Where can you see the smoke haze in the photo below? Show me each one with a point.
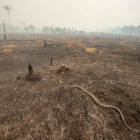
(78, 14)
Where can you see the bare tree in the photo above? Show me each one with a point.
(7, 8)
(131, 29)
(4, 31)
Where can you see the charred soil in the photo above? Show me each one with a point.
(45, 109)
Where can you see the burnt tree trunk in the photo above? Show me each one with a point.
(4, 31)
(51, 61)
(30, 68)
(4, 37)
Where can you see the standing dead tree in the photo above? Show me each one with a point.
(8, 9)
(131, 29)
(4, 31)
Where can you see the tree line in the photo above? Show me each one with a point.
(125, 30)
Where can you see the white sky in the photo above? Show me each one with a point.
(73, 13)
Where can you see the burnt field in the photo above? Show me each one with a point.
(44, 109)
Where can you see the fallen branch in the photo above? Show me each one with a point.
(45, 43)
(102, 105)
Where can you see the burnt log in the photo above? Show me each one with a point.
(45, 43)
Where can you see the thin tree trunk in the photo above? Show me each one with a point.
(51, 61)
(9, 23)
(131, 30)
(4, 31)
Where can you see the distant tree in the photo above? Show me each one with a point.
(125, 29)
(26, 28)
(57, 29)
(51, 26)
(64, 30)
(69, 29)
(7, 8)
(44, 29)
(75, 31)
(31, 27)
(22, 23)
(138, 29)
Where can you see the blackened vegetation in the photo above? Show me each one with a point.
(48, 110)
(75, 130)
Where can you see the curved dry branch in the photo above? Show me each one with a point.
(102, 105)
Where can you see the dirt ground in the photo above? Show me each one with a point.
(47, 110)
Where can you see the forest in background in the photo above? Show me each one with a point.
(125, 30)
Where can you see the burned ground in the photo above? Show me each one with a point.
(46, 109)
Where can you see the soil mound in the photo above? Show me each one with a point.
(35, 77)
(63, 69)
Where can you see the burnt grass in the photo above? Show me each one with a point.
(48, 110)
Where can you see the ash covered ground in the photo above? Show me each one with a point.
(47, 109)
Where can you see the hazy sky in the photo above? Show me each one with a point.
(73, 13)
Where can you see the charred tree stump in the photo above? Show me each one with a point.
(33, 77)
(51, 61)
(30, 68)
